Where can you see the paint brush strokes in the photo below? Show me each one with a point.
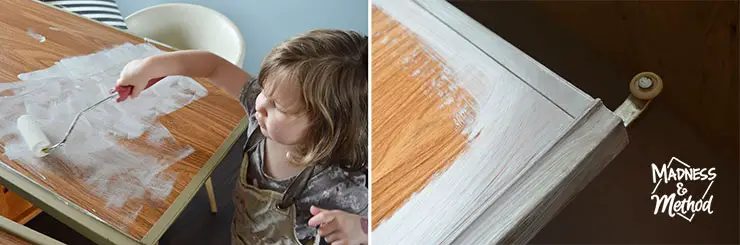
(511, 124)
(34, 35)
(101, 151)
(416, 105)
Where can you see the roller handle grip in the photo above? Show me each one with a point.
(125, 91)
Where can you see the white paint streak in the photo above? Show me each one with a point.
(157, 42)
(130, 218)
(451, 99)
(53, 28)
(513, 124)
(39, 37)
(118, 174)
(384, 40)
(157, 134)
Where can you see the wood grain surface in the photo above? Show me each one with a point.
(204, 124)
(530, 142)
(7, 238)
(15, 207)
(413, 138)
(425, 74)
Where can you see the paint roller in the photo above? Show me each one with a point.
(37, 141)
(33, 135)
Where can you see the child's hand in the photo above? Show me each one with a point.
(339, 227)
(135, 74)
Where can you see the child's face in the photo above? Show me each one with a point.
(280, 114)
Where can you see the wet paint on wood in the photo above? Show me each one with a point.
(473, 141)
(204, 124)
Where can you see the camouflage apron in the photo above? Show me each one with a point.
(264, 216)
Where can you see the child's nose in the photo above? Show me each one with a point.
(260, 106)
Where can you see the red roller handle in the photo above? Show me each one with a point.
(125, 91)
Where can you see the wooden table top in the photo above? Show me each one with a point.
(206, 125)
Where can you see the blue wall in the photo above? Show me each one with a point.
(266, 23)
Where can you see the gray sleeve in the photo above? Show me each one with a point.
(360, 181)
(351, 196)
(363, 211)
(248, 95)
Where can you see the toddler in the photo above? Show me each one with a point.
(304, 166)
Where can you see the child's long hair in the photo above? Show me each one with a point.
(331, 67)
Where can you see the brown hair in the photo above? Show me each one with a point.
(331, 68)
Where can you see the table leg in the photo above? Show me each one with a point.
(211, 196)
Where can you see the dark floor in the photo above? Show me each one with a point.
(196, 224)
(693, 46)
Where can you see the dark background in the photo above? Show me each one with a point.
(599, 46)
